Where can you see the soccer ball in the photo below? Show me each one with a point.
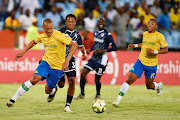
(99, 106)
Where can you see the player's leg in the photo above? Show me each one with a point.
(84, 73)
(61, 81)
(98, 86)
(40, 73)
(51, 92)
(100, 70)
(71, 74)
(154, 86)
(135, 72)
(149, 83)
(70, 93)
(87, 68)
(23, 89)
(150, 73)
(52, 79)
(124, 88)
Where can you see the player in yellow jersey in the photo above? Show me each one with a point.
(53, 62)
(147, 61)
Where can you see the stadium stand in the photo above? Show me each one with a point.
(65, 7)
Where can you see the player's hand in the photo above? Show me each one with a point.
(99, 51)
(150, 51)
(65, 66)
(88, 51)
(19, 55)
(84, 56)
(131, 46)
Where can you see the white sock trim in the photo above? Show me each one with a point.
(156, 86)
(124, 87)
(28, 84)
(21, 90)
(53, 91)
(123, 90)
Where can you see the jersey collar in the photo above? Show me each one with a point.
(100, 31)
(69, 30)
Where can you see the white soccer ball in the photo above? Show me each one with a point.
(99, 106)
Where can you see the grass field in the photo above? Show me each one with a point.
(137, 104)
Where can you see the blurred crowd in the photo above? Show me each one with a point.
(120, 15)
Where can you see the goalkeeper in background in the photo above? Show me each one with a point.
(147, 61)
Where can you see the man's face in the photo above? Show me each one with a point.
(151, 26)
(101, 23)
(27, 12)
(70, 23)
(48, 28)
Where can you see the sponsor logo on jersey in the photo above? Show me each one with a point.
(98, 40)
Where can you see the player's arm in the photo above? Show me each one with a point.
(30, 45)
(161, 51)
(111, 43)
(134, 46)
(71, 53)
(81, 47)
(83, 50)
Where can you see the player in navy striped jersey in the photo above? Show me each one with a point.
(99, 59)
(71, 72)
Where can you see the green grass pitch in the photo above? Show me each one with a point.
(137, 104)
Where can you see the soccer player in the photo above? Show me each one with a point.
(71, 72)
(53, 62)
(147, 61)
(99, 59)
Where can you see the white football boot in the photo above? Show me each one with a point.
(51, 97)
(160, 88)
(67, 109)
(10, 103)
(116, 103)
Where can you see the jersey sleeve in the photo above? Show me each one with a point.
(163, 41)
(64, 38)
(111, 42)
(79, 41)
(109, 37)
(38, 39)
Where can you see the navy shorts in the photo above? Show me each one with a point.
(93, 64)
(72, 68)
(52, 76)
(139, 68)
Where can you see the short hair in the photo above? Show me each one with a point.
(154, 20)
(102, 18)
(47, 21)
(71, 15)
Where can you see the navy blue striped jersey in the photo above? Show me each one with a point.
(76, 38)
(102, 40)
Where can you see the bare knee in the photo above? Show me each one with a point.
(47, 90)
(35, 79)
(83, 75)
(61, 84)
(84, 72)
(71, 81)
(131, 79)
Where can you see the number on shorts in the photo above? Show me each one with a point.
(152, 75)
(100, 71)
(73, 65)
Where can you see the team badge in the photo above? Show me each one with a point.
(102, 34)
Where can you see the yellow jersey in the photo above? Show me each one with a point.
(152, 41)
(54, 48)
